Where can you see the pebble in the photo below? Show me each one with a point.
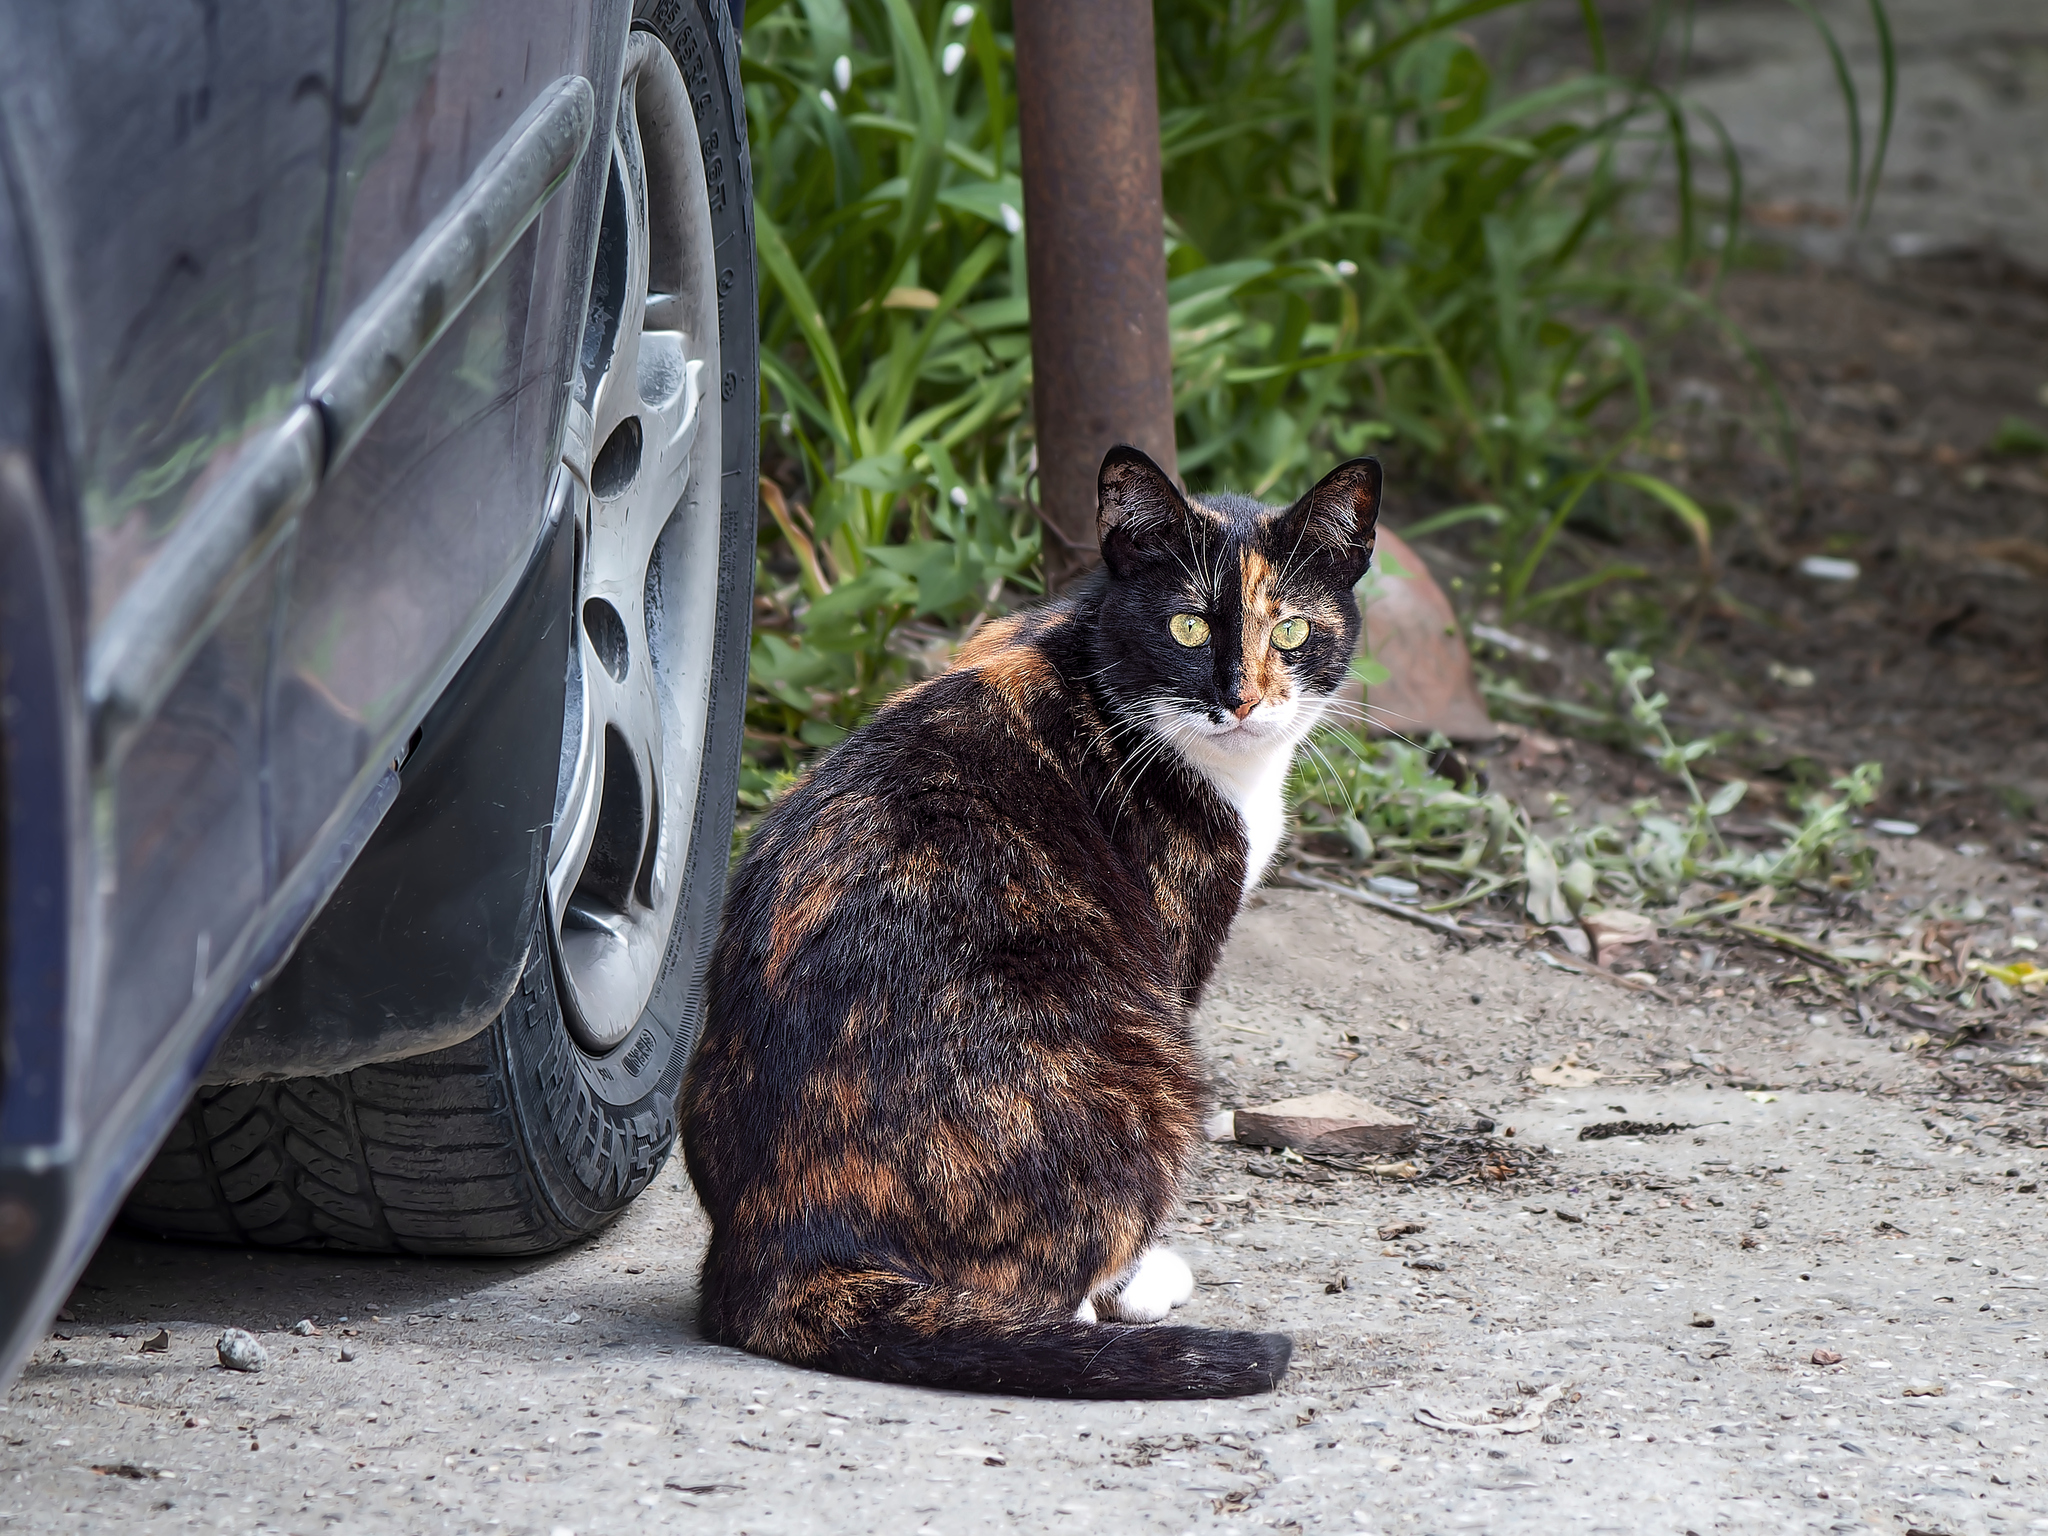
(157, 1343)
(304, 1328)
(1571, 1216)
(1829, 568)
(347, 1354)
(239, 1351)
(1703, 1320)
(1826, 1357)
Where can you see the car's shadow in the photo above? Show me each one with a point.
(632, 1286)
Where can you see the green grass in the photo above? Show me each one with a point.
(1372, 243)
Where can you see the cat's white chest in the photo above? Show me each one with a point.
(1254, 786)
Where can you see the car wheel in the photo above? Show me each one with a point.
(545, 1126)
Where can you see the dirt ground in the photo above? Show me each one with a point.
(1898, 348)
(1931, 658)
(1829, 1193)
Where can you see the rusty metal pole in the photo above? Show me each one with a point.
(1088, 115)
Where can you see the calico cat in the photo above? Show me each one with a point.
(947, 1089)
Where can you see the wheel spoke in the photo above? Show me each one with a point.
(620, 835)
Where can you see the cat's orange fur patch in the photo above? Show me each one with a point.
(809, 891)
(1265, 675)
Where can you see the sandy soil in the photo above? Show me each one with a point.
(1851, 1207)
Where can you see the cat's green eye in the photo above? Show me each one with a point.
(1190, 629)
(1290, 634)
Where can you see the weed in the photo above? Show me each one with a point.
(1391, 814)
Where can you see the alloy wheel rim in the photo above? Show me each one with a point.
(648, 413)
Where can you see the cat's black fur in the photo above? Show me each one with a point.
(947, 1089)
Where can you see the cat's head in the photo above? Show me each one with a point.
(1230, 623)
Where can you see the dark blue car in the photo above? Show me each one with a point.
(378, 412)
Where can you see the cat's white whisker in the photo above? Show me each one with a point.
(1328, 770)
(1149, 748)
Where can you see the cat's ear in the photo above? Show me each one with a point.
(1139, 511)
(1335, 521)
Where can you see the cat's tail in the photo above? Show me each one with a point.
(929, 1336)
(1072, 1359)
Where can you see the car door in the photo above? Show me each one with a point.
(413, 543)
(171, 168)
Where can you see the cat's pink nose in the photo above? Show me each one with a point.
(1246, 707)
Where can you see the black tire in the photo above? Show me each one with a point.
(518, 1140)
(494, 1146)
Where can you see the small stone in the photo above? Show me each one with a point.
(1327, 1124)
(1749, 1241)
(1829, 568)
(1702, 1320)
(1826, 1357)
(1562, 1214)
(157, 1343)
(239, 1351)
(1924, 1389)
(304, 1328)
(1396, 1229)
(347, 1354)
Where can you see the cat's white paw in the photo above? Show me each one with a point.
(1159, 1282)
(1086, 1314)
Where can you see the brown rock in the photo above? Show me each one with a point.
(1826, 1357)
(1412, 632)
(1329, 1124)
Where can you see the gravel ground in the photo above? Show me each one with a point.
(1675, 1288)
